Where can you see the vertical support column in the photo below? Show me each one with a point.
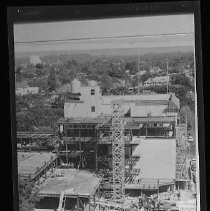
(96, 149)
(77, 203)
(80, 147)
(89, 203)
(158, 192)
(30, 144)
(94, 201)
(65, 139)
(56, 163)
(130, 157)
(174, 188)
(146, 129)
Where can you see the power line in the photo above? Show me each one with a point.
(100, 38)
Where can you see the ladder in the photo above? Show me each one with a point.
(62, 201)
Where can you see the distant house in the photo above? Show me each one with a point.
(155, 70)
(64, 89)
(161, 80)
(189, 72)
(22, 88)
(142, 72)
(26, 91)
(34, 60)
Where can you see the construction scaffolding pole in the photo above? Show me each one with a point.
(118, 153)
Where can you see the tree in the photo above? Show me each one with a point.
(28, 196)
(145, 77)
(132, 67)
(39, 66)
(51, 81)
(187, 114)
(25, 121)
(180, 79)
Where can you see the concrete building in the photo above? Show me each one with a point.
(88, 103)
(156, 81)
(91, 103)
(68, 189)
(150, 130)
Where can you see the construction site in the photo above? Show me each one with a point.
(117, 152)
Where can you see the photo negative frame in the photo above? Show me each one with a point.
(104, 99)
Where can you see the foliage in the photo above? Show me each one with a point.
(31, 111)
(51, 81)
(186, 113)
(25, 121)
(132, 67)
(180, 79)
(40, 82)
(27, 197)
(179, 90)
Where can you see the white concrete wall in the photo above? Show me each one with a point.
(83, 109)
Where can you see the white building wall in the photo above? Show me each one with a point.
(87, 101)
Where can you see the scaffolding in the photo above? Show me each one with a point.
(118, 153)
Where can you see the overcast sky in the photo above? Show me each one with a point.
(153, 31)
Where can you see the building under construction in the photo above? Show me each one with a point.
(134, 144)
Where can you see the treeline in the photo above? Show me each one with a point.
(106, 71)
(32, 112)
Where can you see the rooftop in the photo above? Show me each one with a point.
(28, 162)
(142, 97)
(159, 155)
(74, 182)
(158, 79)
(85, 120)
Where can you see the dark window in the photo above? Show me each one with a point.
(93, 109)
(92, 91)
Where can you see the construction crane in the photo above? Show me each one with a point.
(118, 152)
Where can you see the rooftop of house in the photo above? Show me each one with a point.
(143, 97)
(158, 79)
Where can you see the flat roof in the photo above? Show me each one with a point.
(149, 97)
(148, 184)
(81, 120)
(35, 135)
(74, 182)
(28, 162)
(132, 125)
(157, 158)
(160, 119)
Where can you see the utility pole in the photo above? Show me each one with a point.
(167, 72)
(138, 70)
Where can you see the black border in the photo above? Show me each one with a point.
(98, 11)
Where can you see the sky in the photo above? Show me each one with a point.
(141, 32)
